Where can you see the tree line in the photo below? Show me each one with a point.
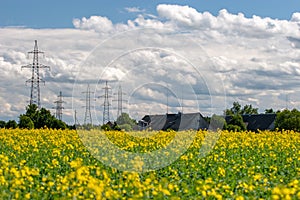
(42, 118)
(285, 119)
(123, 122)
(36, 118)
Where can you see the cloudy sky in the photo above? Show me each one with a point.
(173, 56)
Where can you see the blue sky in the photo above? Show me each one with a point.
(60, 13)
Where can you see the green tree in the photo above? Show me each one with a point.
(58, 124)
(236, 123)
(11, 124)
(106, 127)
(248, 109)
(2, 124)
(269, 111)
(124, 119)
(43, 118)
(32, 112)
(288, 120)
(25, 122)
(238, 109)
(125, 127)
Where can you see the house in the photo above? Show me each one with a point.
(257, 121)
(177, 122)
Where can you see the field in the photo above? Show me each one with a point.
(55, 164)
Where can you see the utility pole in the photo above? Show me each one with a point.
(88, 114)
(106, 103)
(35, 96)
(120, 101)
(59, 107)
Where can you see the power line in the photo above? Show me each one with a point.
(35, 96)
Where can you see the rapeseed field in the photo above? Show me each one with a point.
(55, 164)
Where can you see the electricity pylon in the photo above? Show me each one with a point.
(59, 107)
(88, 114)
(35, 96)
(106, 103)
(120, 101)
(76, 123)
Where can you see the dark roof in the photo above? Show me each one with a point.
(177, 122)
(258, 121)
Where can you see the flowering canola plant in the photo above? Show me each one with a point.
(55, 164)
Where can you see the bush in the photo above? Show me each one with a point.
(58, 124)
(106, 127)
(11, 124)
(232, 127)
(126, 127)
(26, 122)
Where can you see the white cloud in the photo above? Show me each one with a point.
(226, 23)
(134, 10)
(295, 17)
(183, 15)
(195, 55)
(97, 23)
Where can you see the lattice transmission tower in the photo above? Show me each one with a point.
(120, 101)
(106, 103)
(76, 123)
(59, 106)
(35, 96)
(88, 114)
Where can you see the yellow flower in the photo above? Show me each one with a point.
(221, 171)
(257, 177)
(27, 196)
(55, 162)
(171, 186)
(166, 192)
(154, 193)
(76, 163)
(239, 198)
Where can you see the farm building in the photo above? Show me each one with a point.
(258, 121)
(177, 122)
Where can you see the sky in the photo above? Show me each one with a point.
(168, 56)
(59, 14)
